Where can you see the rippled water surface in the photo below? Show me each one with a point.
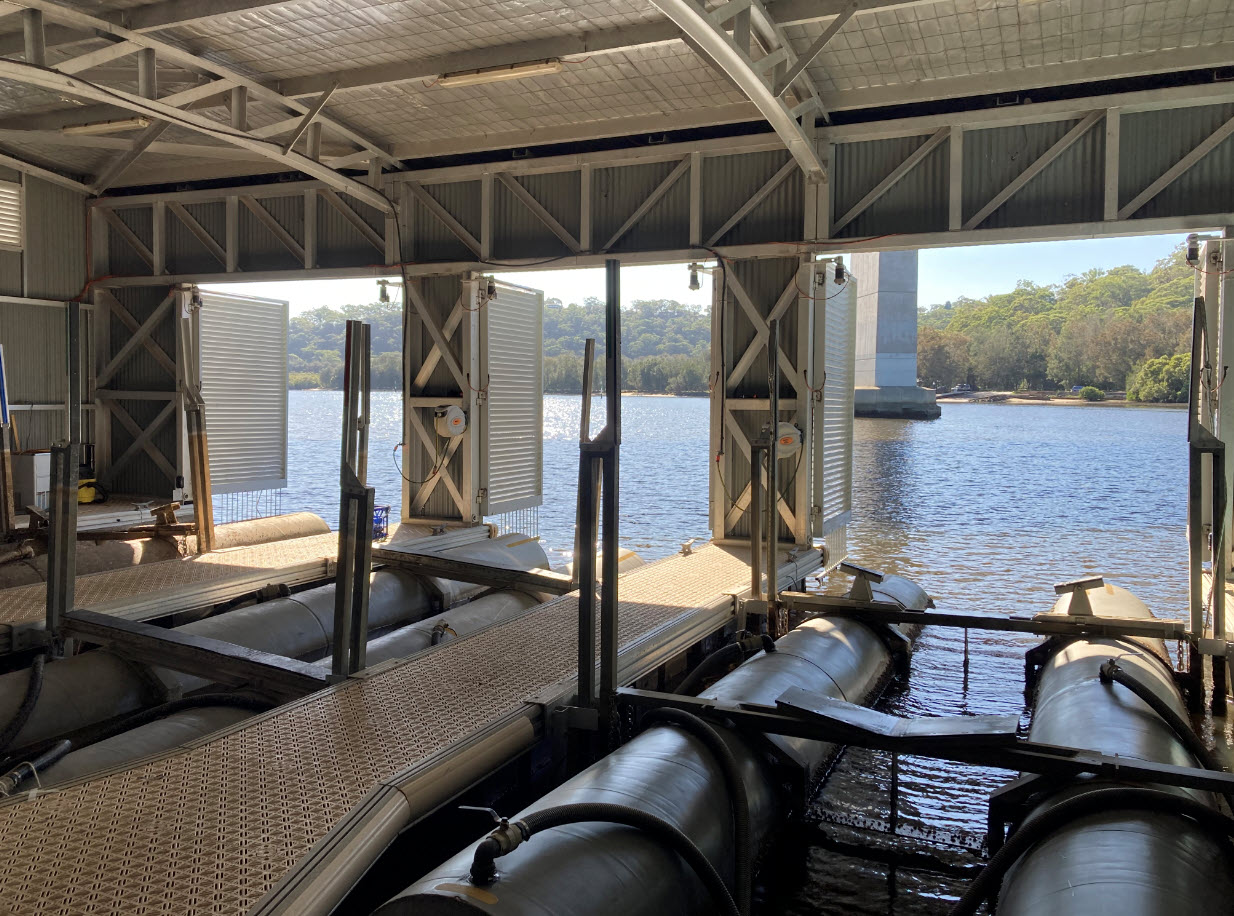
(986, 508)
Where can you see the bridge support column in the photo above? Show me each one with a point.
(886, 369)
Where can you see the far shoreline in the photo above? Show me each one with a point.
(1060, 402)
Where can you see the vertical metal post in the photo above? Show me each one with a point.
(756, 521)
(776, 625)
(609, 511)
(195, 420)
(355, 548)
(1218, 581)
(586, 519)
(62, 538)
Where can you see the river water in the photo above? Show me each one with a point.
(986, 508)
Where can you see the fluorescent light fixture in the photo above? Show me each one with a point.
(498, 74)
(106, 127)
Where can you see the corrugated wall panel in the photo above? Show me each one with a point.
(55, 241)
(141, 476)
(729, 181)
(339, 243)
(618, 191)
(185, 253)
(122, 258)
(431, 240)
(243, 345)
(917, 203)
(142, 372)
(512, 439)
(260, 249)
(1068, 190)
(34, 351)
(1152, 141)
(517, 232)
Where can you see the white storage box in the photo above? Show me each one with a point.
(32, 480)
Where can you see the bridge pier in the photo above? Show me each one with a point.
(886, 361)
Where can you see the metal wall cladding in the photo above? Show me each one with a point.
(1152, 141)
(833, 469)
(519, 233)
(339, 243)
(141, 371)
(34, 353)
(260, 249)
(1068, 190)
(617, 192)
(729, 181)
(431, 239)
(122, 258)
(185, 252)
(916, 203)
(140, 475)
(55, 241)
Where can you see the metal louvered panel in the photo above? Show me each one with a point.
(512, 434)
(243, 344)
(833, 463)
(11, 234)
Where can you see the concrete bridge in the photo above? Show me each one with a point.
(886, 358)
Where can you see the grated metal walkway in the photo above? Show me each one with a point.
(28, 603)
(213, 828)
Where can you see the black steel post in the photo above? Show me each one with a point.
(585, 535)
(609, 510)
(1220, 683)
(351, 594)
(777, 622)
(66, 458)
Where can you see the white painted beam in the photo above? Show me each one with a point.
(58, 82)
(29, 168)
(693, 20)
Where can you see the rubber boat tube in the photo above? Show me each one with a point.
(104, 555)
(86, 689)
(1127, 861)
(607, 870)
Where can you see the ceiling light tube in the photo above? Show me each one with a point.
(106, 127)
(498, 74)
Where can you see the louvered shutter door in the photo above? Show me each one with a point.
(833, 462)
(244, 384)
(512, 434)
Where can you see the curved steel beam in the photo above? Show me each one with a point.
(59, 82)
(694, 20)
(257, 90)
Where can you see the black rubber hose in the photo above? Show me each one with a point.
(722, 658)
(146, 716)
(743, 849)
(33, 688)
(1112, 672)
(483, 870)
(11, 781)
(1099, 801)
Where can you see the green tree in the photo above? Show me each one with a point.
(1164, 380)
(942, 357)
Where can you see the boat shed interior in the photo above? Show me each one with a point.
(268, 724)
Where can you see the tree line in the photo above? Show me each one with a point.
(1123, 329)
(666, 345)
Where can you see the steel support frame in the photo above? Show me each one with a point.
(449, 338)
(355, 538)
(950, 131)
(65, 462)
(741, 395)
(599, 518)
(188, 340)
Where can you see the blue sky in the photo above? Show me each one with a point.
(944, 273)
